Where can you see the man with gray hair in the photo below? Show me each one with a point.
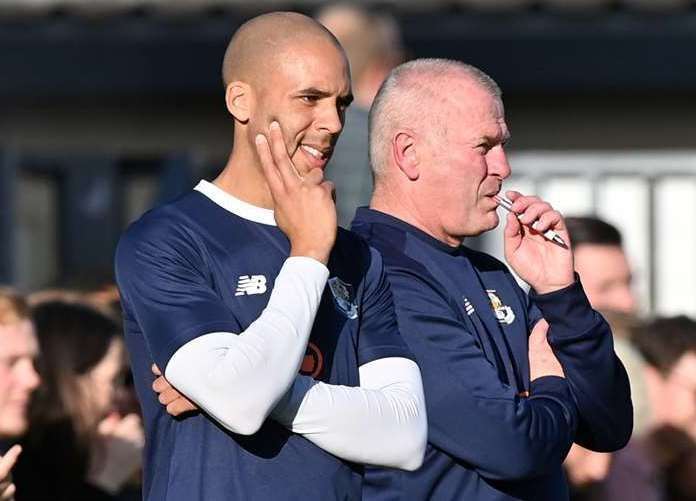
(511, 380)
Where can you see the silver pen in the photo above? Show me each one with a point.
(548, 234)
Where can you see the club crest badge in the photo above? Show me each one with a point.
(503, 313)
(343, 297)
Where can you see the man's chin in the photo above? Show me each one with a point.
(13, 427)
(491, 222)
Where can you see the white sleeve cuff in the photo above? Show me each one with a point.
(381, 423)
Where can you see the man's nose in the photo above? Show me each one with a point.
(624, 300)
(28, 376)
(331, 120)
(498, 162)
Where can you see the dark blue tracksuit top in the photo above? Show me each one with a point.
(493, 435)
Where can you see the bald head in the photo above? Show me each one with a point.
(366, 37)
(258, 43)
(414, 96)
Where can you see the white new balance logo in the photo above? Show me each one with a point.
(254, 284)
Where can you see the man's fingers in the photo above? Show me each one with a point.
(286, 169)
(512, 226)
(268, 166)
(168, 396)
(547, 220)
(160, 384)
(155, 370)
(520, 202)
(533, 211)
(8, 493)
(536, 213)
(314, 176)
(8, 460)
(180, 406)
(540, 329)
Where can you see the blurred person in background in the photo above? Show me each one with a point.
(18, 380)
(98, 290)
(603, 267)
(602, 264)
(373, 45)
(661, 464)
(95, 286)
(73, 412)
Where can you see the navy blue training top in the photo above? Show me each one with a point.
(193, 267)
(491, 434)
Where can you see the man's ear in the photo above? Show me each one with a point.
(238, 100)
(405, 153)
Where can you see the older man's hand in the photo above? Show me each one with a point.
(543, 264)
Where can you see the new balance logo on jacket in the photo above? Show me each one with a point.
(254, 284)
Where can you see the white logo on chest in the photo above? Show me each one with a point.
(503, 313)
(468, 306)
(342, 293)
(254, 284)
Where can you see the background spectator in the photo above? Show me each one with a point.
(18, 379)
(606, 276)
(73, 412)
(661, 464)
(18, 349)
(602, 264)
(373, 45)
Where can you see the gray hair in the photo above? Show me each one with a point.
(406, 96)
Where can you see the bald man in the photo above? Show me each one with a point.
(226, 290)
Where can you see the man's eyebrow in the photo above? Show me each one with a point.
(313, 91)
(496, 138)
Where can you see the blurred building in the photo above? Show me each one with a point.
(108, 107)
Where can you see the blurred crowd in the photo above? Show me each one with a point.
(66, 395)
(659, 354)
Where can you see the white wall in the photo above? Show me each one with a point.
(649, 195)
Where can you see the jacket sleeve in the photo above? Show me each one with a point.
(582, 341)
(472, 415)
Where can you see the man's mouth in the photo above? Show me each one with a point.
(317, 156)
(316, 153)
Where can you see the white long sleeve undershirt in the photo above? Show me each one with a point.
(239, 378)
(381, 423)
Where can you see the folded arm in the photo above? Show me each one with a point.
(582, 341)
(382, 422)
(238, 379)
(472, 415)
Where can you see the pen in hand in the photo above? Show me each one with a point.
(548, 234)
